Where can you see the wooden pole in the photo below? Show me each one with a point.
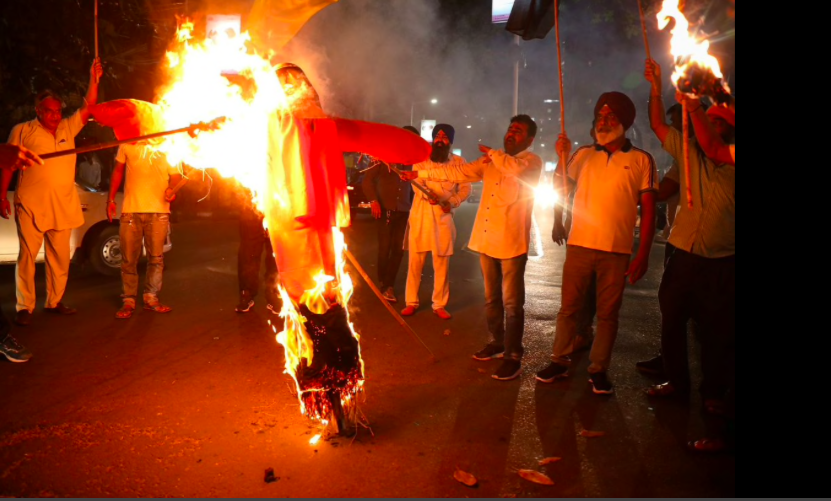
(643, 26)
(563, 161)
(96, 29)
(687, 176)
(386, 303)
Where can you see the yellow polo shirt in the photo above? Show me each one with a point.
(147, 177)
(48, 191)
(609, 187)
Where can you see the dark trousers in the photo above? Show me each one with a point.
(505, 302)
(254, 243)
(391, 229)
(704, 290)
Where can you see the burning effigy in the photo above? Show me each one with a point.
(276, 140)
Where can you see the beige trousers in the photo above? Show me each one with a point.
(441, 282)
(57, 261)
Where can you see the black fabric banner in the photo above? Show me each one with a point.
(531, 19)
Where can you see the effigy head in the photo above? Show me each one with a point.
(301, 94)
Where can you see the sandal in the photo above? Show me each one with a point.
(664, 390)
(157, 307)
(126, 311)
(708, 445)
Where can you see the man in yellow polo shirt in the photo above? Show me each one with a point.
(46, 201)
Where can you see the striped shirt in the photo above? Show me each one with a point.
(609, 188)
(709, 228)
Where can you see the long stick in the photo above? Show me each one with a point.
(415, 184)
(687, 176)
(96, 29)
(112, 144)
(564, 161)
(643, 26)
(389, 307)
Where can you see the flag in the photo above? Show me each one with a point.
(273, 23)
(531, 19)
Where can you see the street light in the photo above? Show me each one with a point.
(412, 108)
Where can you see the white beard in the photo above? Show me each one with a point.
(604, 138)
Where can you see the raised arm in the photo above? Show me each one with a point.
(711, 143)
(657, 111)
(91, 99)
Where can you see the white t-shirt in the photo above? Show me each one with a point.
(147, 177)
(609, 188)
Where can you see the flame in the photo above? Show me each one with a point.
(689, 52)
(315, 439)
(223, 77)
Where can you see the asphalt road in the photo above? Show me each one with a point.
(195, 403)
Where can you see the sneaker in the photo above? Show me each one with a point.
(553, 372)
(23, 317)
(601, 384)
(652, 367)
(510, 369)
(246, 302)
(12, 350)
(489, 352)
(442, 314)
(389, 295)
(409, 311)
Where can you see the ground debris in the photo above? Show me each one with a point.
(465, 478)
(269, 476)
(536, 477)
(592, 434)
(546, 461)
(447, 332)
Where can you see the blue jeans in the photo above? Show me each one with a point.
(505, 302)
(151, 229)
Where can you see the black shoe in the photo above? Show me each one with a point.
(61, 309)
(246, 302)
(601, 384)
(552, 373)
(489, 352)
(23, 317)
(652, 367)
(510, 369)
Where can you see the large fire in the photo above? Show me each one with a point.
(222, 76)
(696, 70)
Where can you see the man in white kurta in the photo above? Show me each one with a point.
(46, 201)
(431, 227)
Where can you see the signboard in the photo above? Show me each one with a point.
(427, 127)
(502, 10)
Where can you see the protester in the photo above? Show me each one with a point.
(699, 280)
(145, 220)
(501, 236)
(431, 228)
(46, 201)
(391, 200)
(610, 177)
(254, 247)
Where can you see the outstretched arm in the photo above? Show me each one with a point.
(657, 112)
(91, 99)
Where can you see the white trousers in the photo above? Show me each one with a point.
(57, 261)
(441, 284)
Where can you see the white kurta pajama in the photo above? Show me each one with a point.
(432, 230)
(47, 208)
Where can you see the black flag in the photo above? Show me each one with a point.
(531, 19)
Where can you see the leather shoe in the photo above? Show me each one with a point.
(23, 317)
(61, 309)
(408, 311)
(442, 314)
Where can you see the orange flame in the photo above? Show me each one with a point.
(685, 47)
(222, 77)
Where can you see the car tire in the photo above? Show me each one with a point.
(105, 252)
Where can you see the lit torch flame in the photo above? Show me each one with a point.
(696, 70)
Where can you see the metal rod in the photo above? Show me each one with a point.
(562, 96)
(386, 303)
(113, 144)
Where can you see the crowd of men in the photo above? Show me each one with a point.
(610, 184)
